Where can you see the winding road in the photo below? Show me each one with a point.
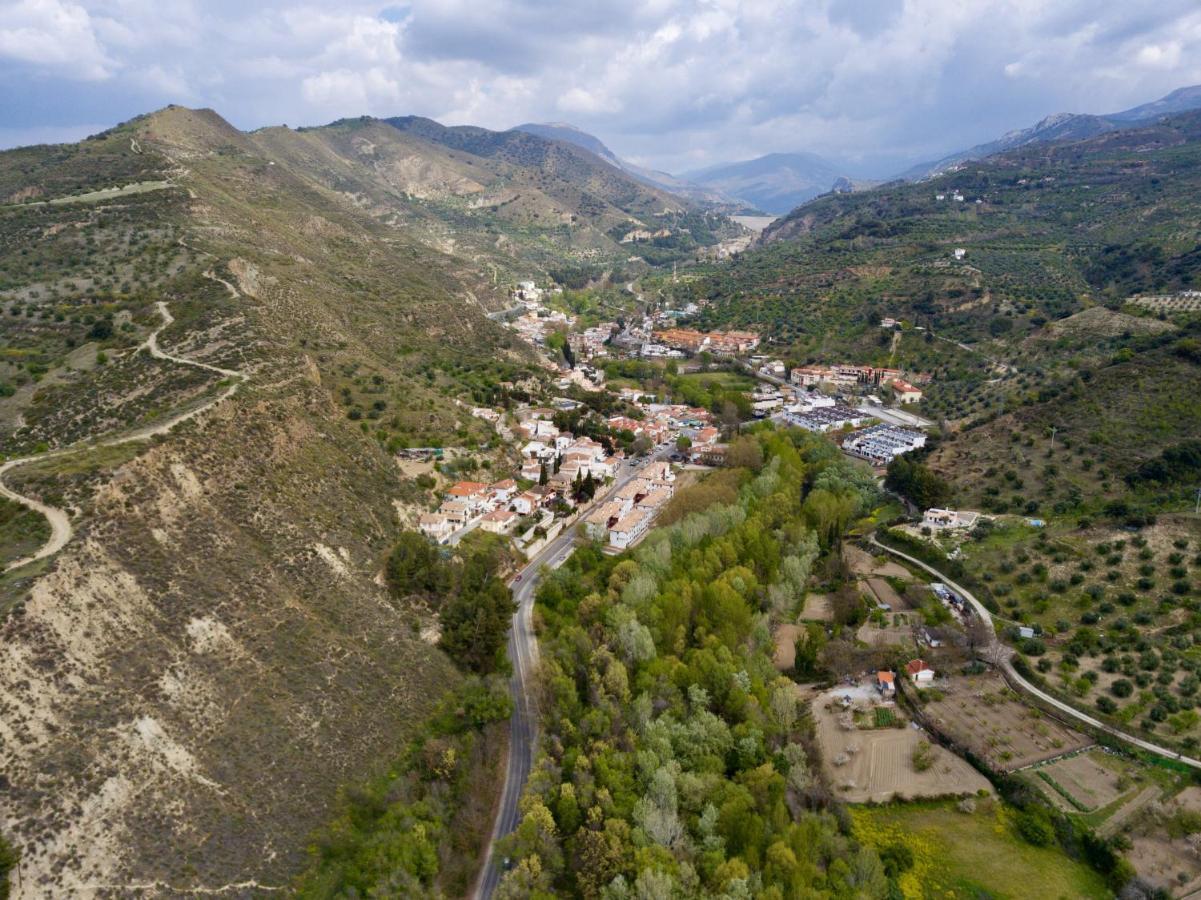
(61, 530)
(1004, 655)
(523, 651)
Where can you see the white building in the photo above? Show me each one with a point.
(949, 518)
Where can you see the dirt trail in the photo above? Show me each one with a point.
(61, 530)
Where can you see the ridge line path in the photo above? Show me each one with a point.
(1004, 654)
(523, 651)
(61, 530)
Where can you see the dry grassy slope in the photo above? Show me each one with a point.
(543, 192)
(186, 685)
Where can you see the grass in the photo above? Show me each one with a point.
(21, 531)
(958, 854)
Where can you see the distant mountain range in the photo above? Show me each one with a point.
(779, 182)
(776, 183)
(681, 187)
(1065, 127)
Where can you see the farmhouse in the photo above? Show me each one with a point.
(919, 671)
(906, 393)
(949, 518)
(886, 683)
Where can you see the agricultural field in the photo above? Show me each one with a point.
(871, 754)
(981, 714)
(1115, 613)
(894, 629)
(1096, 782)
(970, 849)
(1164, 840)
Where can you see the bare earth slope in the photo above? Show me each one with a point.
(188, 682)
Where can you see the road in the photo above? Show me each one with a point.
(1004, 654)
(61, 530)
(523, 652)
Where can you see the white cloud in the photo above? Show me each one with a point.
(677, 83)
(53, 35)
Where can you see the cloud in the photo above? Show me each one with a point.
(53, 36)
(673, 83)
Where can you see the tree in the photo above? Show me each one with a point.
(642, 445)
(745, 453)
(475, 622)
(414, 567)
(916, 482)
(683, 443)
(543, 477)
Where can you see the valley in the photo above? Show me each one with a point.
(390, 508)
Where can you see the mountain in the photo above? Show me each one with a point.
(1065, 127)
(561, 131)
(1180, 100)
(210, 658)
(776, 183)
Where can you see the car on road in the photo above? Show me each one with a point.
(518, 578)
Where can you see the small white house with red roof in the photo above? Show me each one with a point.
(919, 671)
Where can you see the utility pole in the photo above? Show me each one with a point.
(1197, 509)
(1054, 429)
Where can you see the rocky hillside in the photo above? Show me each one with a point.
(186, 685)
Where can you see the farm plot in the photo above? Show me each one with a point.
(980, 713)
(818, 608)
(1164, 848)
(886, 594)
(785, 638)
(897, 630)
(1082, 782)
(862, 563)
(876, 763)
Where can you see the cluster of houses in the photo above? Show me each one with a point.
(852, 375)
(881, 444)
(719, 343)
(918, 671)
(592, 342)
(473, 503)
(624, 519)
(535, 325)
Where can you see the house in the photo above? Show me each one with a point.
(949, 518)
(499, 521)
(457, 512)
(710, 454)
(630, 528)
(435, 526)
(886, 683)
(960, 252)
(538, 450)
(601, 519)
(705, 437)
(466, 490)
(659, 471)
(919, 671)
(905, 392)
(503, 491)
(659, 495)
(526, 503)
(531, 470)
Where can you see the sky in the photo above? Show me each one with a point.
(874, 84)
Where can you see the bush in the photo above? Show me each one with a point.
(1034, 825)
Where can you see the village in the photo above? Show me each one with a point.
(562, 473)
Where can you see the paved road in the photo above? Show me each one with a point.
(1004, 654)
(523, 651)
